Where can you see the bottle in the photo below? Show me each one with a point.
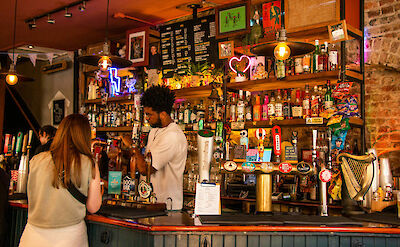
(306, 63)
(287, 105)
(333, 58)
(181, 114)
(257, 109)
(280, 69)
(193, 115)
(279, 106)
(264, 115)
(316, 55)
(306, 103)
(328, 96)
(232, 108)
(187, 113)
(240, 108)
(297, 108)
(201, 112)
(249, 107)
(324, 58)
(298, 65)
(210, 116)
(315, 103)
(271, 107)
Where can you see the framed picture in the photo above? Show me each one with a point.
(338, 31)
(226, 49)
(272, 18)
(232, 19)
(58, 111)
(138, 46)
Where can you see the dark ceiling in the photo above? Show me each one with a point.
(83, 28)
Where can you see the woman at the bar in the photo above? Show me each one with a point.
(55, 215)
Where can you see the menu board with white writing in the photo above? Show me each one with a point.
(189, 41)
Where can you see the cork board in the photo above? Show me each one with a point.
(301, 14)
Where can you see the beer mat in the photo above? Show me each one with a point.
(316, 220)
(378, 217)
(128, 213)
(17, 196)
(240, 219)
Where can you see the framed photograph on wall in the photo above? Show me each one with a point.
(137, 41)
(338, 31)
(226, 49)
(232, 19)
(58, 111)
(272, 20)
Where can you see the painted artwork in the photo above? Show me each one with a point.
(272, 19)
(136, 45)
(232, 19)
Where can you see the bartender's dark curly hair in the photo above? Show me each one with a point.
(159, 98)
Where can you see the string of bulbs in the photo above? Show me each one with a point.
(81, 7)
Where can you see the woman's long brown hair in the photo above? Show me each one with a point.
(71, 140)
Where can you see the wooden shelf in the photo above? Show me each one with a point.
(114, 129)
(296, 122)
(193, 92)
(118, 99)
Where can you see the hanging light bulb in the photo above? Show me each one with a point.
(12, 77)
(282, 51)
(104, 63)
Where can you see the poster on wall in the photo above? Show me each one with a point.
(138, 46)
(58, 111)
(272, 20)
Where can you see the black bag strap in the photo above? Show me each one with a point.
(77, 194)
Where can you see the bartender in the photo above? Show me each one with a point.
(154, 67)
(167, 146)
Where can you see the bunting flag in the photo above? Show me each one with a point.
(33, 58)
(50, 56)
(13, 57)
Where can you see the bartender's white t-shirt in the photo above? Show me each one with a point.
(168, 147)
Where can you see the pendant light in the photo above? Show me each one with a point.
(12, 77)
(105, 60)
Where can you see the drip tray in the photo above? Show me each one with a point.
(311, 220)
(383, 218)
(128, 212)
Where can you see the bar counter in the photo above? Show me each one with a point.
(179, 229)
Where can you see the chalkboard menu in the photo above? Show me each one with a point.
(189, 41)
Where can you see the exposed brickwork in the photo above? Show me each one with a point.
(382, 84)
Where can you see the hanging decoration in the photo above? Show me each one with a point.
(33, 58)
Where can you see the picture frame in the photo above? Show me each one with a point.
(229, 21)
(272, 18)
(338, 31)
(137, 42)
(58, 111)
(226, 49)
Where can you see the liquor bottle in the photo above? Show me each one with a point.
(324, 58)
(287, 105)
(298, 65)
(210, 115)
(306, 103)
(289, 67)
(232, 108)
(271, 107)
(279, 106)
(280, 69)
(187, 113)
(264, 115)
(316, 55)
(306, 63)
(333, 58)
(240, 108)
(297, 108)
(181, 114)
(193, 115)
(249, 107)
(315, 103)
(219, 112)
(257, 109)
(201, 112)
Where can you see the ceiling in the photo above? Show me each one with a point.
(86, 27)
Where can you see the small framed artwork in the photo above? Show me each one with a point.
(272, 20)
(58, 111)
(137, 41)
(226, 49)
(338, 31)
(232, 19)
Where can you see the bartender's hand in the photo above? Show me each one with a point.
(137, 162)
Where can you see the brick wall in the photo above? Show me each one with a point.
(382, 77)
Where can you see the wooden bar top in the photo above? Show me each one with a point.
(180, 221)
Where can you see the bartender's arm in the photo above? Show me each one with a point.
(138, 162)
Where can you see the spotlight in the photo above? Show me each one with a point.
(68, 15)
(49, 20)
(30, 46)
(82, 7)
(32, 25)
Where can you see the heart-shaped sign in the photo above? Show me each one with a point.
(239, 60)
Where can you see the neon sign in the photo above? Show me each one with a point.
(239, 59)
(115, 82)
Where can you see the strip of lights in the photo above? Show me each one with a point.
(81, 7)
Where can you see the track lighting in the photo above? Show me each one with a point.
(82, 7)
(32, 25)
(49, 20)
(30, 46)
(67, 14)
